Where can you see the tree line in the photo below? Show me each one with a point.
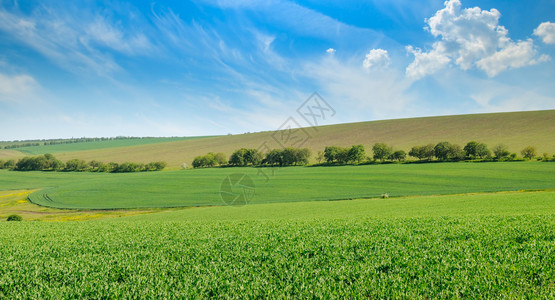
(253, 157)
(48, 162)
(14, 146)
(31, 143)
(356, 154)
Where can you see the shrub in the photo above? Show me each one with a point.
(14, 218)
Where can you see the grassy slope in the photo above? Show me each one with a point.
(95, 145)
(10, 154)
(202, 187)
(471, 246)
(516, 130)
(479, 204)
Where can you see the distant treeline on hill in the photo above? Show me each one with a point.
(356, 154)
(30, 143)
(48, 162)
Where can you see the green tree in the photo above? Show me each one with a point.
(244, 157)
(356, 154)
(482, 151)
(500, 151)
(441, 150)
(220, 158)
(77, 165)
(343, 155)
(471, 148)
(238, 158)
(381, 151)
(529, 152)
(9, 164)
(198, 162)
(399, 155)
(456, 152)
(331, 153)
(97, 166)
(253, 157)
(302, 156)
(274, 157)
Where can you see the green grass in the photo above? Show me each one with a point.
(201, 187)
(95, 145)
(469, 246)
(516, 130)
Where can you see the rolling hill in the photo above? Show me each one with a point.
(514, 129)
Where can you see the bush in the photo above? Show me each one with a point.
(14, 218)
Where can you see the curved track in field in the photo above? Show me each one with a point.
(294, 184)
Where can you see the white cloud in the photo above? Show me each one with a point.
(546, 31)
(16, 88)
(376, 58)
(515, 55)
(426, 63)
(471, 38)
(330, 51)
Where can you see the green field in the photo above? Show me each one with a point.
(96, 145)
(200, 187)
(446, 230)
(466, 246)
(516, 130)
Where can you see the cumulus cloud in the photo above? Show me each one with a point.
(375, 59)
(471, 38)
(546, 31)
(330, 51)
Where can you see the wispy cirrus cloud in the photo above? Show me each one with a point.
(74, 39)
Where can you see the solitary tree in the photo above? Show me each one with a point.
(528, 152)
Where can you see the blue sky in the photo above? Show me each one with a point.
(184, 68)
